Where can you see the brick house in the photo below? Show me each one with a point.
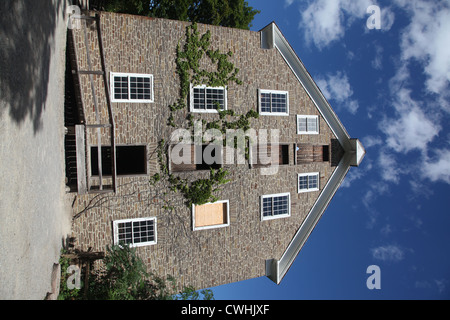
(125, 78)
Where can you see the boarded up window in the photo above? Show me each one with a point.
(210, 215)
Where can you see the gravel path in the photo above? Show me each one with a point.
(34, 209)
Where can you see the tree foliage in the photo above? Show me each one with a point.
(125, 277)
(226, 13)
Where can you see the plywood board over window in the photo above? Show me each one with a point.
(211, 215)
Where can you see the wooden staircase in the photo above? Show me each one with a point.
(85, 182)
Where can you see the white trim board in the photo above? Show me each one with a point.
(272, 38)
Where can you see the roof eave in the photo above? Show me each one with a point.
(271, 37)
(277, 269)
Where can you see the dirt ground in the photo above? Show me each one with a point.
(34, 208)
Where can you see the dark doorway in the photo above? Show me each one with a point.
(130, 160)
(213, 152)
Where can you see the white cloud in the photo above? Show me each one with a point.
(439, 168)
(386, 230)
(376, 189)
(389, 169)
(425, 39)
(337, 87)
(412, 130)
(387, 18)
(325, 21)
(441, 284)
(287, 3)
(416, 123)
(353, 175)
(438, 284)
(377, 62)
(389, 253)
(322, 22)
(371, 141)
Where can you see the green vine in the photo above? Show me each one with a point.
(188, 59)
(201, 191)
(197, 192)
(188, 65)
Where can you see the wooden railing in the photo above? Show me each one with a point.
(86, 185)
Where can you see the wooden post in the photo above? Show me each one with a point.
(108, 102)
(80, 145)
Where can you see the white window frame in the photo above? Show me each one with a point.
(191, 98)
(308, 118)
(265, 113)
(141, 244)
(286, 215)
(139, 75)
(194, 228)
(308, 189)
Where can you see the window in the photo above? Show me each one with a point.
(275, 206)
(264, 155)
(307, 153)
(273, 102)
(191, 157)
(135, 232)
(131, 87)
(307, 124)
(130, 160)
(211, 215)
(308, 182)
(207, 99)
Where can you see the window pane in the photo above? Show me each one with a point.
(273, 102)
(125, 232)
(267, 207)
(136, 232)
(280, 205)
(274, 206)
(302, 124)
(205, 98)
(199, 98)
(312, 124)
(303, 182)
(120, 87)
(140, 88)
(143, 231)
(313, 182)
(278, 102)
(215, 99)
(265, 102)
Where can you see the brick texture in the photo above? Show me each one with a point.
(210, 257)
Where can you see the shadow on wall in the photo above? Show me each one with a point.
(27, 30)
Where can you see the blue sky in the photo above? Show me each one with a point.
(390, 88)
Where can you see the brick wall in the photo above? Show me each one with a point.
(208, 257)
